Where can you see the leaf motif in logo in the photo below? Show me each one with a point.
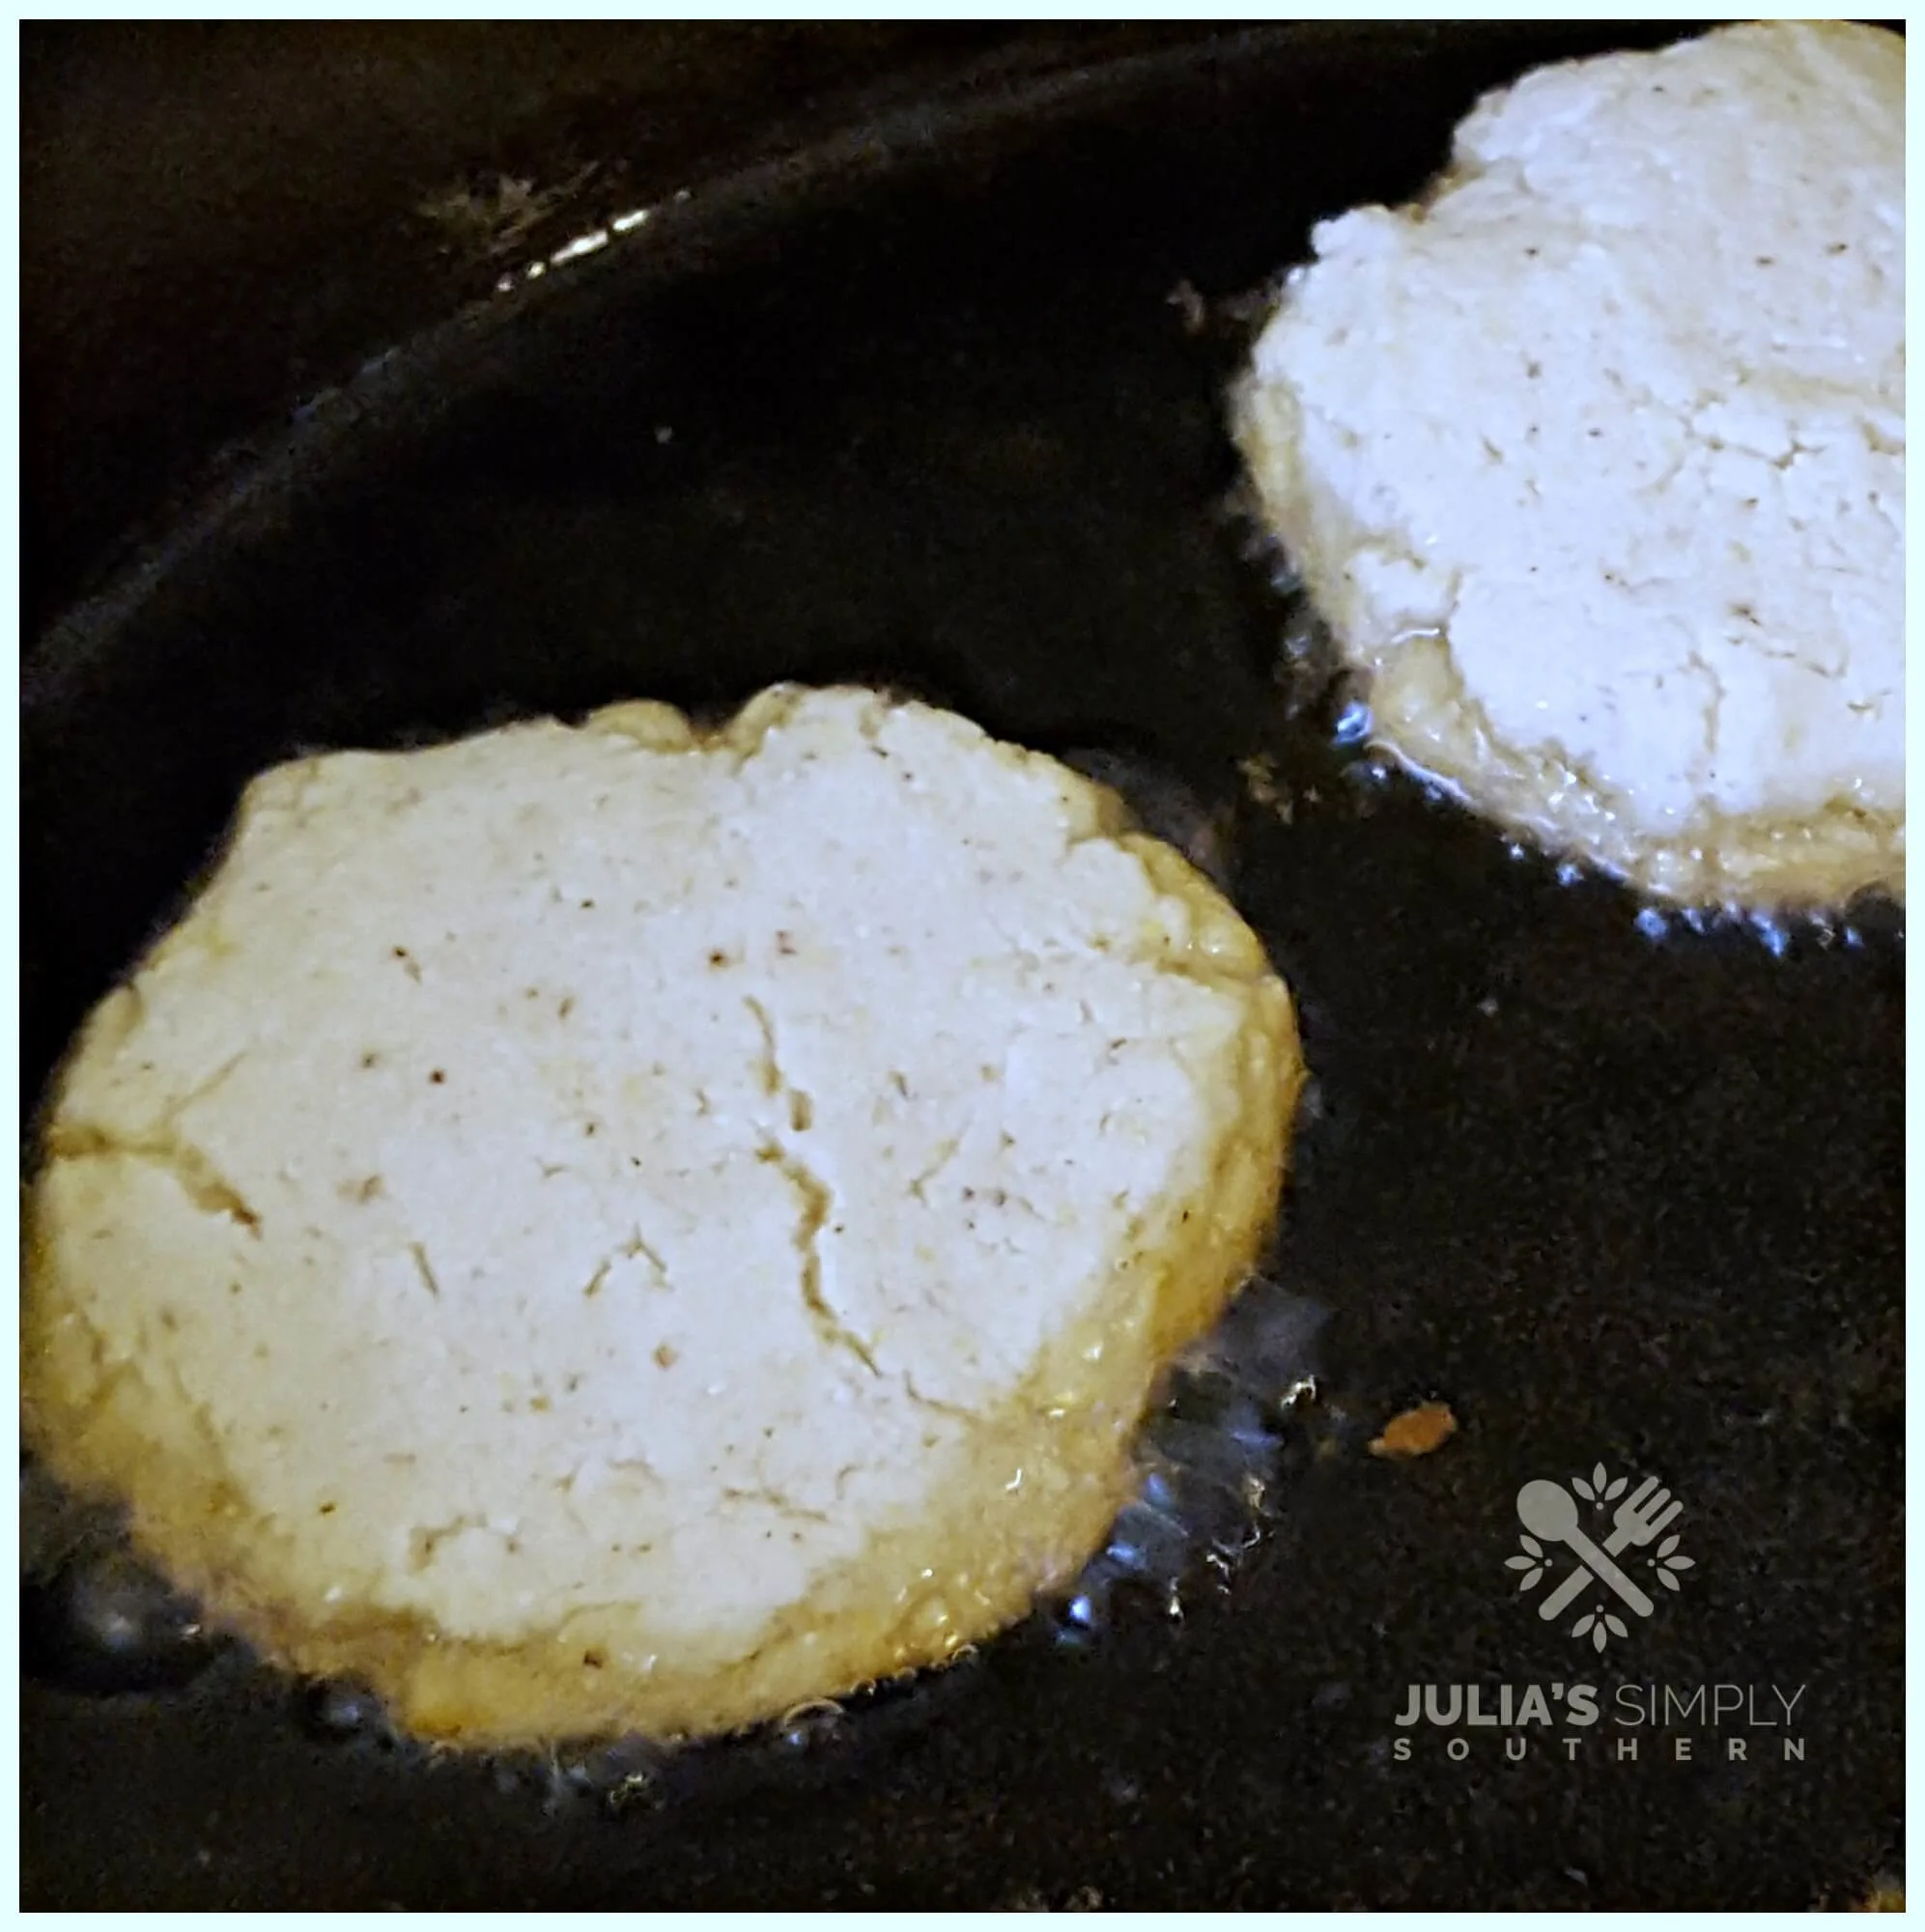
(1532, 1563)
(1617, 1489)
(1597, 1477)
(1584, 1489)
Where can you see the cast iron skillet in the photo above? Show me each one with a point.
(917, 407)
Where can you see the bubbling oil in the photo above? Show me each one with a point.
(1218, 1460)
(93, 1617)
(1318, 690)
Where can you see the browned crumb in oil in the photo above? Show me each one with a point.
(1417, 1432)
(1261, 786)
(1259, 778)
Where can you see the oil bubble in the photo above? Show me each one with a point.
(107, 1625)
(1146, 1542)
(1307, 641)
(810, 1726)
(1306, 668)
(1353, 722)
(1877, 919)
(630, 1773)
(95, 1618)
(1076, 1623)
(337, 1710)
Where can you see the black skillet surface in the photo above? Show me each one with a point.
(919, 410)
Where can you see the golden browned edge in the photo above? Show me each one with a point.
(1422, 714)
(1070, 1428)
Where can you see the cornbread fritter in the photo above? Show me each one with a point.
(1594, 462)
(615, 1229)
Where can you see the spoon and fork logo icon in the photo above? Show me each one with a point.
(1550, 1516)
